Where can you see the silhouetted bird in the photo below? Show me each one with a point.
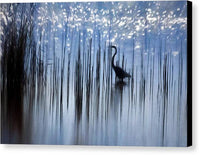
(120, 73)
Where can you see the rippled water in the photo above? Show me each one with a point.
(58, 86)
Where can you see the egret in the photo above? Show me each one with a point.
(120, 73)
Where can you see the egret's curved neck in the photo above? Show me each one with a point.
(113, 65)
